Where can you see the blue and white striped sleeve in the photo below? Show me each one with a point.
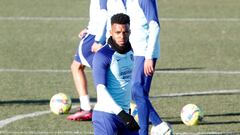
(102, 25)
(150, 10)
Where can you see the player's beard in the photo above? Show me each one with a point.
(120, 49)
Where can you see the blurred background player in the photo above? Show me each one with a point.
(144, 39)
(93, 38)
(90, 43)
(112, 68)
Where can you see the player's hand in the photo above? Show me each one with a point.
(148, 67)
(129, 121)
(82, 33)
(96, 47)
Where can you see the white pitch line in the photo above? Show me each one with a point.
(210, 92)
(23, 116)
(26, 18)
(201, 19)
(19, 117)
(162, 72)
(39, 113)
(91, 133)
(198, 72)
(35, 70)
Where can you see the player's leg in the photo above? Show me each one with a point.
(86, 57)
(140, 93)
(159, 125)
(82, 58)
(153, 115)
(104, 123)
(80, 82)
(109, 124)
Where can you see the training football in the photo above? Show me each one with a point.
(60, 103)
(191, 115)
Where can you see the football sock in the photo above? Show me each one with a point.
(85, 103)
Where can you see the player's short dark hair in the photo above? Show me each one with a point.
(120, 18)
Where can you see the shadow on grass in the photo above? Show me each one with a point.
(38, 102)
(177, 120)
(224, 114)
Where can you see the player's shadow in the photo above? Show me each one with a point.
(179, 69)
(36, 102)
(221, 122)
(177, 120)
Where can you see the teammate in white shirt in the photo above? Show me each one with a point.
(144, 39)
(112, 68)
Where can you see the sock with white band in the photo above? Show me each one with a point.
(85, 103)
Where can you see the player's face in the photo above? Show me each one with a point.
(120, 33)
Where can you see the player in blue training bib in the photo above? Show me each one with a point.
(112, 71)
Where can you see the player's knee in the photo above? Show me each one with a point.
(81, 67)
(74, 66)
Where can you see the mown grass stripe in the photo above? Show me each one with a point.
(26, 18)
(39, 113)
(159, 71)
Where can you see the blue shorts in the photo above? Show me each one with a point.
(109, 124)
(84, 55)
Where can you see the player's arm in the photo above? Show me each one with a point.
(96, 46)
(100, 37)
(104, 99)
(102, 24)
(150, 10)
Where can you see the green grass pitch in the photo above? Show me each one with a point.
(199, 64)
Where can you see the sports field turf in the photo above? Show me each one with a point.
(200, 64)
